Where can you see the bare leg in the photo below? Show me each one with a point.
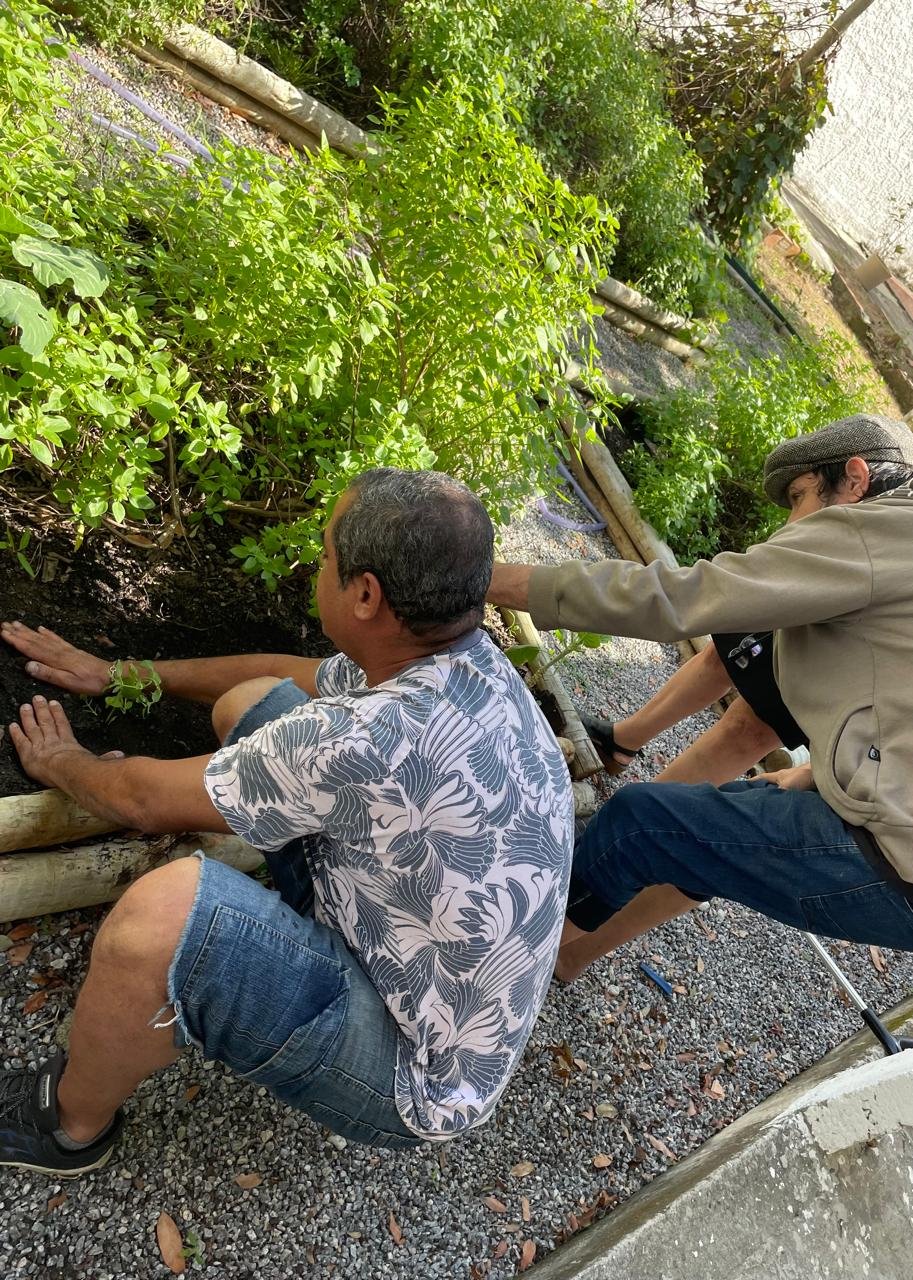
(651, 907)
(694, 686)
(112, 1044)
(736, 742)
(230, 707)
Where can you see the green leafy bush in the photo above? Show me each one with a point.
(268, 330)
(573, 76)
(701, 484)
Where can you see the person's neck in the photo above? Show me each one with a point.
(385, 662)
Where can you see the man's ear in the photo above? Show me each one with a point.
(369, 597)
(857, 478)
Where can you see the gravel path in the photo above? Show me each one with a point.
(616, 1083)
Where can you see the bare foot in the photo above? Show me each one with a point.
(55, 660)
(567, 965)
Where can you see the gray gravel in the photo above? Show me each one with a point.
(613, 1070)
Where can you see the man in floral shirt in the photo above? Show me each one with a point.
(417, 818)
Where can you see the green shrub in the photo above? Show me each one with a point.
(701, 488)
(268, 330)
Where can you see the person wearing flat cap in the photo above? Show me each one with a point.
(826, 846)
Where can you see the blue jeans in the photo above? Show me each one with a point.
(257, 983)
(783, 853)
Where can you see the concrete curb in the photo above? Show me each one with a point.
(814, 1182)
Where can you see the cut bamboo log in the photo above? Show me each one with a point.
(45, 818)
(49, 880)
(224, 63)
(622, 295)
(187, 73)
(631, 324)
(585, 761)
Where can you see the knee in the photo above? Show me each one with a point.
(712, 665)
(748, 729)
(228, 710)
(144, 927)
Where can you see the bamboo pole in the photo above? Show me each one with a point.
(49, 880)
(657, 337)
(622, 295)
(236, 69)
(44, 818)
(186, 73)
(828, 39)
(586, 761)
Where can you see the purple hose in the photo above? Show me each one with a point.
(149, 112)
(129, 136)
(576, 526)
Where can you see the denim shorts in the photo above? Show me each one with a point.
(786, 854)
(257, 983)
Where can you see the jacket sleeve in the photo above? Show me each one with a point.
(815, 569)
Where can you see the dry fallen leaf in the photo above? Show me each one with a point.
(601, 1161)
(394, 1228)
(35, 1001)
(712, 1087)
(22, 931)
(494, 1204)
(246, 1181)
(606, 1110)
(191, 1092)
(700, 964)
(522, 1169)
(658, 1145)
(56, 1201)
(171, 1246)
(877, 957)
(20, 953)
(524, 1209)
(500, 1249)
(527, 1254)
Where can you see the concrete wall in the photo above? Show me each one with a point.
(859, 164)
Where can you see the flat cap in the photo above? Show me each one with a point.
(864, 435)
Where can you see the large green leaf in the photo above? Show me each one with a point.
(56, 263)
(15, 224)
(22, 307)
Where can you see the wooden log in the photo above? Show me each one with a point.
(187, 73)
(622, 295)
(45, 818)
(638, 328)
(222, 62)
(48, 880)
(586, 761)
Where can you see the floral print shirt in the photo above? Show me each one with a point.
(440, 815)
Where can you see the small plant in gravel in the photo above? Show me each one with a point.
(523, 655)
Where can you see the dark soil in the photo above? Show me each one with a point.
(116, 600)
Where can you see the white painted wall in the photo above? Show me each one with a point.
(859, 165)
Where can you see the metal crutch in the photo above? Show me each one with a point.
(891, 1043)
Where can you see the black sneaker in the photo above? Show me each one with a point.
(28, 1119)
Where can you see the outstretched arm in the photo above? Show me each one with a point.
(139, 792)
(55, 660)
(510, 585)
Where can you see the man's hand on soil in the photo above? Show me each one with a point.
(44, 739)
(51, 658)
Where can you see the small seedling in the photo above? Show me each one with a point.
(525, 654)
(133, 686)
(18, 548)
(193, 1248)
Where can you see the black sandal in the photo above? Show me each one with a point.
(602, 733)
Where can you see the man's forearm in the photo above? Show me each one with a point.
(139, 792)
(510, 585)
(206, 679)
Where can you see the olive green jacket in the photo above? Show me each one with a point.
(837, 588)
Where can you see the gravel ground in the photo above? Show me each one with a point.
(615, 1084)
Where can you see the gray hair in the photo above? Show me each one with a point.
(427, 539)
